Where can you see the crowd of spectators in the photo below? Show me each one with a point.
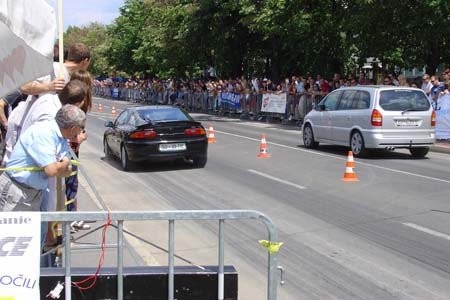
(202, 93)
(294, 84)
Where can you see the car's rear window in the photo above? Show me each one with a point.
(163, 115)
(401, 100)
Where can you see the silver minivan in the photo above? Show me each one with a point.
(372, 117)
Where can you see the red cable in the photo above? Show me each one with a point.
(100, 262)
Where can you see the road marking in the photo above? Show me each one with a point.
(337, 157)
(102, 116)
(329, 155)
(427, 230)
(276, 179)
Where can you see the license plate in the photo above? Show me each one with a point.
(172, 147)
(407, 123)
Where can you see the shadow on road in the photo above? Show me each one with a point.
(148, 166)
(373, 154)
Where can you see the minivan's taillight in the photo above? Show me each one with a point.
(433, 118)
(377, 118)
(195, 131)
(143, 134)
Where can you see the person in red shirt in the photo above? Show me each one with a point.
(324, 86)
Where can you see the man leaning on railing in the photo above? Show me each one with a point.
(41, 152)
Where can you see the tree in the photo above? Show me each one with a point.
(404, 33)
(163, 50)
(125, 37)
(275, 38)
(94, 36)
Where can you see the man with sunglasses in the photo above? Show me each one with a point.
(387, 81)
(41, 152)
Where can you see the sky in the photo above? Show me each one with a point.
(83, 12)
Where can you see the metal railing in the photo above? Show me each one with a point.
(297, 104)
(171, 216)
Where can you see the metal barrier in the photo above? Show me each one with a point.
(171, 216)
(297, 104)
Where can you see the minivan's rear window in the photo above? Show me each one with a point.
(401, 100)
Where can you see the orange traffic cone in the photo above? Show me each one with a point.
(211, 138)
(350, 174)
(100, 108)
(113, 110)
(263, 148)
(350, 160)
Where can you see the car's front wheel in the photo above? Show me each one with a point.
(124, 159)
(419, 152)
(357, 144)
(308, 137)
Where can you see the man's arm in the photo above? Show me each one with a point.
(36, 87)
(3, 119)
(60, 168)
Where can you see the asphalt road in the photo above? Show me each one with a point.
(384, 237)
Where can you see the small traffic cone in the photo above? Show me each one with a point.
(113, 110)
(100, 108)
(350, 160)
(211, 138)
(350, 175)
(263, 153)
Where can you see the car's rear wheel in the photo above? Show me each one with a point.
(124, 159)
(199, 161)
(357, 144)
(308, 138)
(106, 149)
(419, 152)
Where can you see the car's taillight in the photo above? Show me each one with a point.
(377, 118)
(195, 131)
(144, 134)
(433, 118)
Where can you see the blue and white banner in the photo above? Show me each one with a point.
(231, 99)
(443, 117)
(275, 103)
(20, 245)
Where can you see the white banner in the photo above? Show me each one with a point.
(443, 117)
(20, 245)
(27, 30)
(275, 103)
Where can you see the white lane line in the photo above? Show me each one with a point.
(102, 116)
(276, 179)
(427, 230)
(340, 158)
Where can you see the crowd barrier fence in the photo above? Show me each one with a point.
(297, 104)
(119, 217)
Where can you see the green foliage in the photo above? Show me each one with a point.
(94, 36)
(125, 37)
(405, 33)
(274, 38)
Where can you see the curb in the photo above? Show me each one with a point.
(441, 148)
